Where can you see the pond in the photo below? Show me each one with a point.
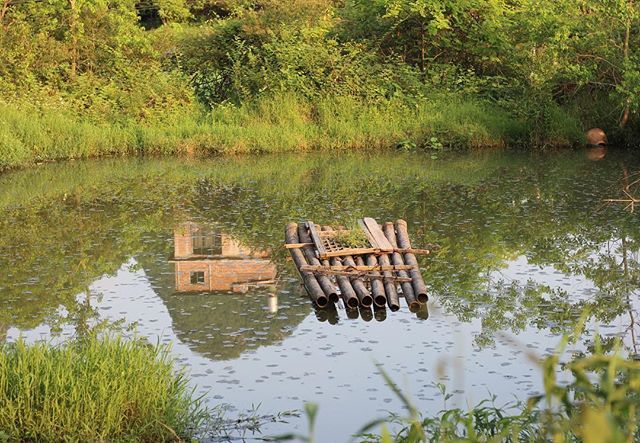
(189, 252)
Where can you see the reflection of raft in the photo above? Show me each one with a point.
(369, 274)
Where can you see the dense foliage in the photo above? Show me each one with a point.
(161, 75)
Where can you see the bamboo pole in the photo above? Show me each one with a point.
(324, 281)
(419, 288)
(310, 283)
(348, 294)
(396, 259)
(390, 288)
(362, 292)
(377, 287)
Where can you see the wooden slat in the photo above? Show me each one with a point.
(375, 231)
(357, 251)
(316, 239)
(297, 245)
(324, 234)
(345, 252)
(371, 238)
(412, 250)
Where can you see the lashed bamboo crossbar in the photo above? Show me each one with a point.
(357, 268)
(351, 251)
(374, 274)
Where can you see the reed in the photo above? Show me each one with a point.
(94, 389)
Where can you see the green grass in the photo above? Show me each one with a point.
(95, 389)
(282, 123)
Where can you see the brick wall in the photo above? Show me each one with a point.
(182, 244)
(223, 274)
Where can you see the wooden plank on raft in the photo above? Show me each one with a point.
(374, 229)
(316, 239)
(372, 240)
(345, 252)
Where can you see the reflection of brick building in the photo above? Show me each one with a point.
(209, 260)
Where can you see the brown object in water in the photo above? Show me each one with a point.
(596, 137)
(396, 259)
(310, 283)
(419, 288)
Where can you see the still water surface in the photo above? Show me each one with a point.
(190, 253)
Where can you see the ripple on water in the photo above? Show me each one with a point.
(520, 245)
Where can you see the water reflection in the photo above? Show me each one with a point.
(352, 313)
(628, 190)
(380, 313)
(596, 153)
(327, 314)
(423, 312)
(272, 303)
(207, 259)
(366, 313)
(525, 246)
(225, 298)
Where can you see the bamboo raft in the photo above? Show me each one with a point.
(376, 274)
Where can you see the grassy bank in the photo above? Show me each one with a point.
(97, 389)
(271, 124)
